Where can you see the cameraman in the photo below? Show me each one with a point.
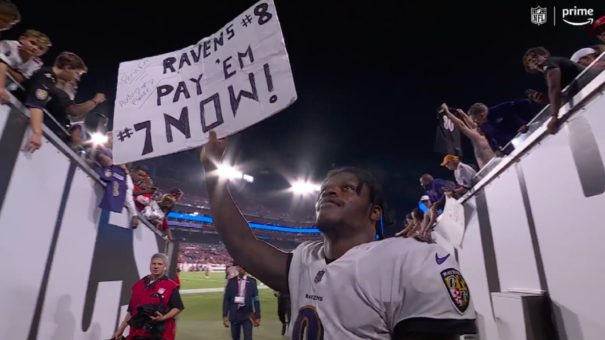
(154, 303)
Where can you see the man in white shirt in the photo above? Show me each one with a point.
(349, 286)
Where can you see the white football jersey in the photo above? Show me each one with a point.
(9, 53)
(366, 292)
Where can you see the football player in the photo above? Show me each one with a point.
(349, 286)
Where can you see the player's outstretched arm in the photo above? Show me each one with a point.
(262, 260)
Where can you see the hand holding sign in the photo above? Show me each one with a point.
(213, 151)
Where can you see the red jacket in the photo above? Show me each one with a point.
(145, 293)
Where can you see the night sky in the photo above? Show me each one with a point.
(369, 75)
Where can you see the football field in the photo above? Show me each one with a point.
(202, 317)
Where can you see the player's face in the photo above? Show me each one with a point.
(157, 267)
(341, 204)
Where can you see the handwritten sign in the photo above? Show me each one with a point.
(228, 81)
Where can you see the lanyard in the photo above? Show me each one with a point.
(241, 291)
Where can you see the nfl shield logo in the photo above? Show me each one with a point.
(538, 15)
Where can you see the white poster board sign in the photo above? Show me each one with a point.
(226, 82)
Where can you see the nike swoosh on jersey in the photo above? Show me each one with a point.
(440, 260)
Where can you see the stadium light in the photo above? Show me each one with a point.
(230, 172)
(304, 187)
(98, 138)
(227, 171)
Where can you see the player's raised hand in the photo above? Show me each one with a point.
(213, 150)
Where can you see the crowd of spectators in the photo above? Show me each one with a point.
(210, 251)
(132, 187)
(490, 129)
(196, 256)
(259, 212)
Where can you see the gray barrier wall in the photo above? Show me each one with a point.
(67, 267)
(535, 226)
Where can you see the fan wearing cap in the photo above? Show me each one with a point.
(463, 173)
(425, 201)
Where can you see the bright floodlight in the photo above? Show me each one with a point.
(98, 138)
(229, 172)
(302, 187)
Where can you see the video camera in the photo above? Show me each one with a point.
(142, 320)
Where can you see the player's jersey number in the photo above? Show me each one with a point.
(307, 325)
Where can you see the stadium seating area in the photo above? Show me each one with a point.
(199, 248)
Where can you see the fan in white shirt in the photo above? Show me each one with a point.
(20, 59)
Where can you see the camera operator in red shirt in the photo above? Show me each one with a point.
(154, 303)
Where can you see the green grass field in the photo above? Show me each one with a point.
(202, 317)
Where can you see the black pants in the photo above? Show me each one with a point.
(237, 325)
